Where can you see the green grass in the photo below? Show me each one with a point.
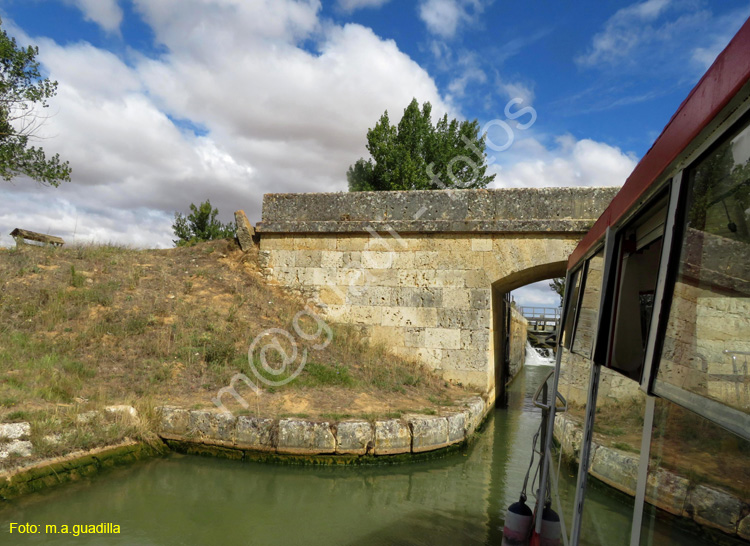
(76, 279)
(336, 416)
(624, 447)
(326, 375)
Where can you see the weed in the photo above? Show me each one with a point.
(76, 279)
(134, 278)
(321, 375)
(136, 325)
(20, 415)
(623, 446)
(336, 416)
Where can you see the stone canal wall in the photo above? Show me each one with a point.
(284, 440)
(519, 333)
(72, 467)
(675, 494)
(410, 434)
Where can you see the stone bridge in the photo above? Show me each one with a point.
(425, 272)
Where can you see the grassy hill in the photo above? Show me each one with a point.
(85, 327)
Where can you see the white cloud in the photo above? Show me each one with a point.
(468, 66)
(717, 36)
(519, 90)
(571, 163)
(671, 39)
(105, 13)
(353, 5)
(79, 224)
(443, 17)
(538, 294)
(275, 117)
(628, 28)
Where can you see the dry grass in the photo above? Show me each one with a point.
(89, 326)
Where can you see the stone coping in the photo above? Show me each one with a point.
(430, 226)
(707, 506)
(411, 434)
(514, 209)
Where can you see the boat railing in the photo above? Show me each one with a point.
(542, 390)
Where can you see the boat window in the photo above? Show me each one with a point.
(705, 350)
(572, 307)
(636, 270)
(572, 385)
(586, 323)
(697, 471)
(614, 458)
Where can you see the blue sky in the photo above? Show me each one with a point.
(164, 102)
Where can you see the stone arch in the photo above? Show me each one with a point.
(549, 264)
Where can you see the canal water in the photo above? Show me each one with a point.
(456, 500)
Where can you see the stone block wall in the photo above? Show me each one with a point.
(426, 298)
(415, 270)
(412, 434)
(519, 328)
(614, 387)
(703, 324)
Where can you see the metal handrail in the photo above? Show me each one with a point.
(561, 409)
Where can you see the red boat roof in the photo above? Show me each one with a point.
(729, 72)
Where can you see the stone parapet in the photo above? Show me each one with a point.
(429, 226)
(506, 210)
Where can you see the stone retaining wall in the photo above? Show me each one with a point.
(411, 434)
(72, 467)
(707, 506)
(519, 334)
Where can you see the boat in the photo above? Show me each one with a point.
(654, 343)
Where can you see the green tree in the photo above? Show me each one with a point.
(415, 155)
(22, 93)
(200, 225)
(558, 285)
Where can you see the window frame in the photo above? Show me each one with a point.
(734, 420)
(613, 279)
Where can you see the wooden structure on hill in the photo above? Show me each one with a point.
(22, 236)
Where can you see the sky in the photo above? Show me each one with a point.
(163, 103)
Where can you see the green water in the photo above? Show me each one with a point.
(456, 500)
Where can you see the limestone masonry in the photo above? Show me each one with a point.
(413, 433)
(418, 271)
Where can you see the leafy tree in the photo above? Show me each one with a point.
(415, 155)
(22, 92)
(200, 225)
(558, 285)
